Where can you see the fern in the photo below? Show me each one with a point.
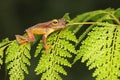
(51, 64)
(17, 59)
(100, 50)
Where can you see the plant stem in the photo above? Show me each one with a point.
(82, 23)
(98, 23)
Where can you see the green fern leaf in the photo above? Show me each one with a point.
(4, 42)
(117, 13)
(1, 55)
(68, 35)
(38, 49)
(52, 62)
(43, 64)
(66, 17)
(17, 59)
(3, 46)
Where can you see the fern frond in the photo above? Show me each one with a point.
(51, 64)
(3, 46)
(38, 48)
(17, 59)
(101, 51)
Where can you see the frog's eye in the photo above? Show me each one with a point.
(55, 22)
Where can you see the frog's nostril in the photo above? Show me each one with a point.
(64, 24)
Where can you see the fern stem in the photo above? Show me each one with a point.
(97, 23)
(82, 23)
(112, 53)
(53, 62)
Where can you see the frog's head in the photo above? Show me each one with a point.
(58, 24)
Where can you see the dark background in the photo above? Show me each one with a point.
(17, 15)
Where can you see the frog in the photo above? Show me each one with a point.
(44, 29)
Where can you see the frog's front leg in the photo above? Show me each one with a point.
(44, 42)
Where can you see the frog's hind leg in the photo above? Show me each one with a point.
(21, 39)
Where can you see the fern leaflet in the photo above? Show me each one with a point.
(3, 46)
